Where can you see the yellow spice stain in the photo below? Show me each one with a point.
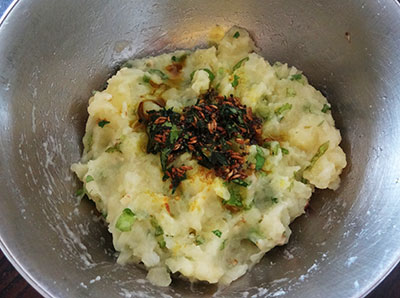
(216, 34)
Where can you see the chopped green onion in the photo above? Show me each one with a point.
(239, 64)
(217, 233)
(158, 231)
(102, 123)
(89, 178)
(125, 220)
(325, 108)
(236, 35)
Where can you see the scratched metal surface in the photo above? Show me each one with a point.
(54, 53)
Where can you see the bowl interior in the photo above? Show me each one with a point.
(54, 53)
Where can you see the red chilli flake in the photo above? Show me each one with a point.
(215, 131)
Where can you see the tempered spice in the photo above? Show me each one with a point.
(215, 131)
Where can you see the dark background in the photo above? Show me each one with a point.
(12, 285)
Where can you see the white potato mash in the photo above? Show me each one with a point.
(191, 230)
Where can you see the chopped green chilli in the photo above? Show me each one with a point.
(235, 81)
(239, 64)
(321, 150)
(236, 35)
(125, 220)
(325, 108)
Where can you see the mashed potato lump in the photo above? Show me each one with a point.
(208, 227)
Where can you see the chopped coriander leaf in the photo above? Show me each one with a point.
(179, 59)
(146, 79)
(325, 108)
(102, 123)
(236, 35)
(80, 192)
(174, 134)
(240, 182)
(260, 159)
(217, 233)
(283, 108)
(159, 73)
(125, 220)
(235, 81)
(89, 178)
(235, 198)
(296, 77)
(285, 151)
(274, 200)
(199, 240)
(239, 64)
(321, 150)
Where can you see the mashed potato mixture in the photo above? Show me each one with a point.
(199, 160)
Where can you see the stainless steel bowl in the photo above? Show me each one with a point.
(54, 53)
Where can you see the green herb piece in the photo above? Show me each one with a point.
(260, 159)
(296, 77)
(161, 242)
(222, 245)
(211, 76)
(80, 192)
(179, 59)
(158, 231)
(192, 75)
(239, 64)
(321, 123)
(217, 86)
(235, 198)
(274, 200)
(321, 150)
(115, 148)
(127, 64)
(236, 35)
(235, 81)
(284, 151)
(255, 235)
(221, 71)
(89, 178)
(283, 108)
(174, 134)
(240, 182)
(325, 108)
(158, 72)
(290, 92)
(146, 79)
(102, 123)
(199, 240)
(125, 220)
(217, 233)
(304, 180)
